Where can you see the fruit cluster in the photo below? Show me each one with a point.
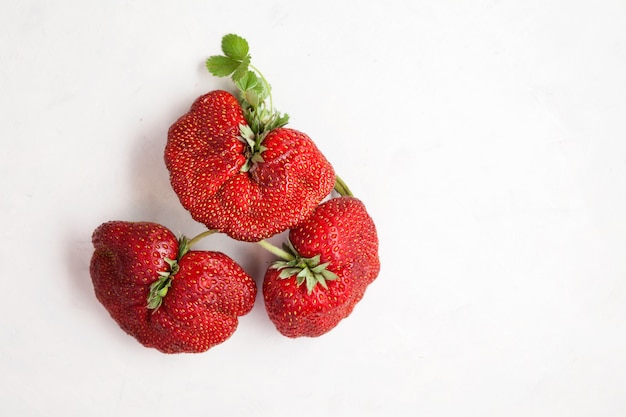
(238, 170)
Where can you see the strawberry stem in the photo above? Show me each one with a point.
(276, 250)
(201, 236)
(267, 87)
(185, 244)
(342, 188)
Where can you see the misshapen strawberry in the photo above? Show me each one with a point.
(332, 259)
(233, 164)
(163, 294)
(221, 182)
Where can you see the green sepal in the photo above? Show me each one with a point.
(310, 283)
(184, 245)
(288, 272)
(158, 290)
(308, 271)
(246, 133)
(254, 148)
(257, 158)
(173, 263)
(322, 281)
(329, 275)
(160, 287)
(281, 120)
(246, 166)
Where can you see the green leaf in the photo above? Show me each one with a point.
(235, 47)
(252, 97)
(222, 66)
(241, 70)
(248, 82)
(261, 90)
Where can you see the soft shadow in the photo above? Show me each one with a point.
(77, 257)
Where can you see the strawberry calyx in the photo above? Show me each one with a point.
(310, 271)
(255, 96)
(253, 150)
(160, 287)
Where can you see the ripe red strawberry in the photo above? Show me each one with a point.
(335, 254)
(227, 184)
(234, 166)
(163, 294)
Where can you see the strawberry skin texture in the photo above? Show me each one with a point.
(343, 234)
(204, 156)
(201, 309)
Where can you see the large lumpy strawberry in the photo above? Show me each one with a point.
(226, 185)
(233, 164)
(331, 259)
(163, 294)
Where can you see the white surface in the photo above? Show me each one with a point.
(487, 139)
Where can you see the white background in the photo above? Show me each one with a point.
(487, 139)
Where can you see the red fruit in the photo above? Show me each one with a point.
(195, 297)
(247, 191)
(336, 257)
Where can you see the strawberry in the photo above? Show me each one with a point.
(328, 263)
(162, 293)
(233, 164)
